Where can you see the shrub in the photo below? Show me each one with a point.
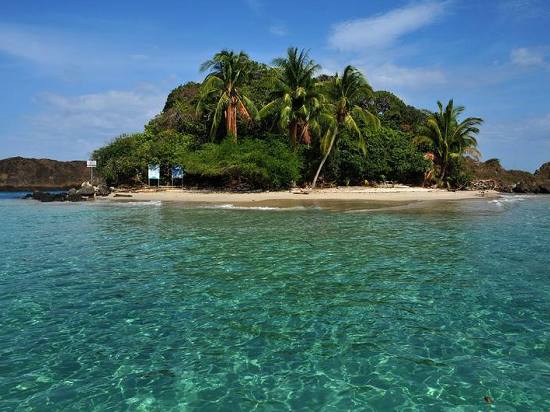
(458, 175)
(120, 161)
(125, 159)
(390, 156)
(250, 164)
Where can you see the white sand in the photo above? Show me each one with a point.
(387, 194)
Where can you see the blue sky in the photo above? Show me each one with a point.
(74, 74)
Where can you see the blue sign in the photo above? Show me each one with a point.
(154, 172)
(177, 172)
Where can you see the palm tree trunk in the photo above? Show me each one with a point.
(444, 166)
(293, 130)
(324, 159)
(231, 121)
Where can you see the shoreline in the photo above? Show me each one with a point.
(285, 199)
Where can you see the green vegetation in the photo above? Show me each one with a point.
(310, 128)
(297, 96)
(342, 111)
(449, 140)
(229, 71)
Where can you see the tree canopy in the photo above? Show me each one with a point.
(310, 126)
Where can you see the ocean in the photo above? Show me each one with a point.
(167, 307)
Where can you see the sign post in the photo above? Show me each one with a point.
(153, 173)
(177, 173)
(91, 164)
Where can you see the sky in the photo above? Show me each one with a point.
(75, 74)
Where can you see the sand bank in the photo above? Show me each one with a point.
(287, 198)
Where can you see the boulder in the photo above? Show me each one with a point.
(86, 189)
(487, 184)
(49, 197)
(73, 196)
(526, 187)
(102, 190)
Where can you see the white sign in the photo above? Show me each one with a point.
(154, 172)
(91, 163)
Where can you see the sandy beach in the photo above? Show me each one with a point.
(398, 194)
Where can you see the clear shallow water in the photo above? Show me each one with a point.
(161, 307)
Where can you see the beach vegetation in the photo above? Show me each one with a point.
(221, 95)
(312, 129)
(449, 139)
(296, 95)
(342, 110)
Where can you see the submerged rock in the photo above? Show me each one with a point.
(48, 197)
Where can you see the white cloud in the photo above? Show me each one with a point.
(524, 142)
(255, 5)
(388, 76)
(523, 9)
(526, 57)
(385, 29)
(279, 30)
(89, 120)
(32, 44)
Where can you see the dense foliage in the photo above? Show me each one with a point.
(390, 156)
(254, 163)
(293, 125)
(450, 139)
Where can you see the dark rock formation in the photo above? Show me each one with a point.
(85, 192)
(48, 197)
(86, 189)
(18, 173)
(102, 190)
(543, 172)
(490, 175)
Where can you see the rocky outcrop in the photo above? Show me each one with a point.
(18, 173)
(86, 189)
(490, 175)
(543, 172)
(85, 192)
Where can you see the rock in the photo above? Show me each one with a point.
(102, 190)
(526, 187)
(544, 187)
(509, 181)
(74, 196)
(49, 197)
(543, 172)
(18, 173)
(86, 189)
(488, 184)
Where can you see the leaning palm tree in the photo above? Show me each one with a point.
(448, 138)
(296, 101)
(343, 110)
(228, 72)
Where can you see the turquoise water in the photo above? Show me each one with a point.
(163, 307)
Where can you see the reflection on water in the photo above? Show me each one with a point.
(156, 306)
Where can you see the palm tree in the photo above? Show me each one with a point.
(344, 111)
(228, 73)
(296, 95)
(448, 138)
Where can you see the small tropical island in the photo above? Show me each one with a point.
(196, 217)
(251, 126)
